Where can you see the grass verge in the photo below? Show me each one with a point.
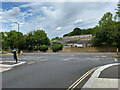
(116, 55)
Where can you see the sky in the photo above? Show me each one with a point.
(55, 18)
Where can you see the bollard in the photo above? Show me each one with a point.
(21, 52)
(15, 55)
(117, 51)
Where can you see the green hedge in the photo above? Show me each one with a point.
(43, 48)
(56, 47)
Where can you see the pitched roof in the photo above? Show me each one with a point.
(75, 41)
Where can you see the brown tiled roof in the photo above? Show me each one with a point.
(75, 41)
(72, 41)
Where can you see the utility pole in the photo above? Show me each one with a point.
(18, 36)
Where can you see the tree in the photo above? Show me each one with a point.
(40, 38)
(33, 39)
(36, 38)
(87, 31)
(117, 28)
(29, 41)
(117, 16)
(11, 40)
(76, 31)
(107, 32)
(56, 38)
(104, 35)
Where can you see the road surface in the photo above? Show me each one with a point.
(52, 70)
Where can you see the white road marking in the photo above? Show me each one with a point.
(104, 56)
(98, 58)
(66, 59)
(30, 63)
(115, 60)
(38, 61)
(43, 60)
(7, 58)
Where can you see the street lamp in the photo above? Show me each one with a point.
(18, 35)
(17, 24)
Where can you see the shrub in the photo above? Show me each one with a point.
(56, 47)
(43, 48)
(30, 48)
(36, 48)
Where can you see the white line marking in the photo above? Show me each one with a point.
(43, 60)
(116, 60)
(104, 56)
(30, 63)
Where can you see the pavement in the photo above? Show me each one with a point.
(7, 65)
(104, 77)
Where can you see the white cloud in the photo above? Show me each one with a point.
(14, 12)
(58, 28)
(10, 15)
(14, 15)
(78, 21)
(52, 17)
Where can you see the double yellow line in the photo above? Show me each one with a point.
(82, 78)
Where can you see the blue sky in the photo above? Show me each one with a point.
(56, 18)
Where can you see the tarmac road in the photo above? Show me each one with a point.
(52, 70)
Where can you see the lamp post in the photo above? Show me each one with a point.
(18, 35)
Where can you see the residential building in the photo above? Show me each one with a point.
(77, 40)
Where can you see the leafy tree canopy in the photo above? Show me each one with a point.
(56, 38)
(14, 39)
(78, 31)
